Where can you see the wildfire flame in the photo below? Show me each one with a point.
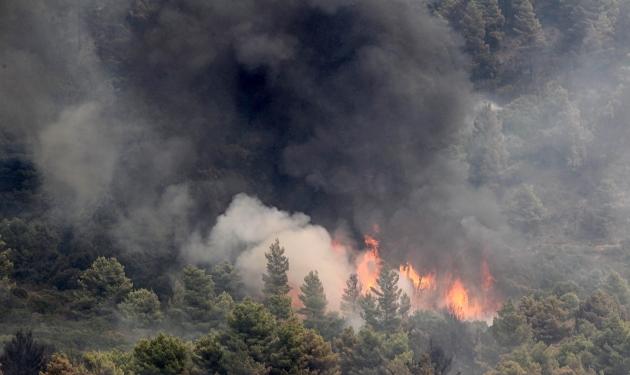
(432, 290)
(460, 304)
(369, 264)
(418, 281)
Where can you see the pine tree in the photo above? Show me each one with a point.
(525, 23)
(369, 310)
(474, 28)
(494, 21)
(276, 282)
(405, 305)
(388, 297)
(314, 300)
(23, 355)
(351, 296)
(487, 154)
(474, 31)
(317, 355)
(368, 355)
(164, 355)
(106, 279)
(227, 279)
(194, 293)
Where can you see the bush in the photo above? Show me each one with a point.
(163, 355)
(142, 306)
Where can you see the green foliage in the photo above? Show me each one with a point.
(208, 354)
(526, 210)
(524, 22)
(227, 279)
(510, 326)
(549, 319)
(597, 309)
(487, 153)
(404, 306)
(314, 301)
(350, 301)
(34, 245)
(371, 352)
(388, 298)
(108, 363)
(162, 355)
(60, 364)
(142, 306)
(194, 294)
(276, 282)
(618, 287)
(23, 355)
(6, 265)
(105, 280)
(251, 330)
(369, 310)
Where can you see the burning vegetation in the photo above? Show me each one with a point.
(440, 290)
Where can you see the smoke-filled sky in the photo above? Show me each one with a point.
(150, 117)
(157, 113)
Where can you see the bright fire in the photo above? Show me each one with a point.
(419, 282)
(432, 290)
(460, 304)
(369, 264)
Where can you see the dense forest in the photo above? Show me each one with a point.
(424, 187)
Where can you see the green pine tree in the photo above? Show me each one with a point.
(276, 282)
(494, 21)
(525, 24)
(388, 297)
(369, 310)
(351, 297)
(314, 300)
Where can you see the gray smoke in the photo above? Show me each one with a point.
(155, 113)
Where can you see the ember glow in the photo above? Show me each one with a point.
(433, 290)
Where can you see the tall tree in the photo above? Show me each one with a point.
(369, 310)
(525, 24)
(198, 287)
(314, 300)
(351, 296)
(405, 305)
(276, 282)
(494, 21)
(227, 279)
(487, 153)
(388, 297)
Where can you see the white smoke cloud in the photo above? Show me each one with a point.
(247, 229)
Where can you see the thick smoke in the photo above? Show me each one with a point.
(350, 111)
(245, 232)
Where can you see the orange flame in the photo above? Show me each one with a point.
(460, 304)
(369, 264)
(432, 291)
(419, 282)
